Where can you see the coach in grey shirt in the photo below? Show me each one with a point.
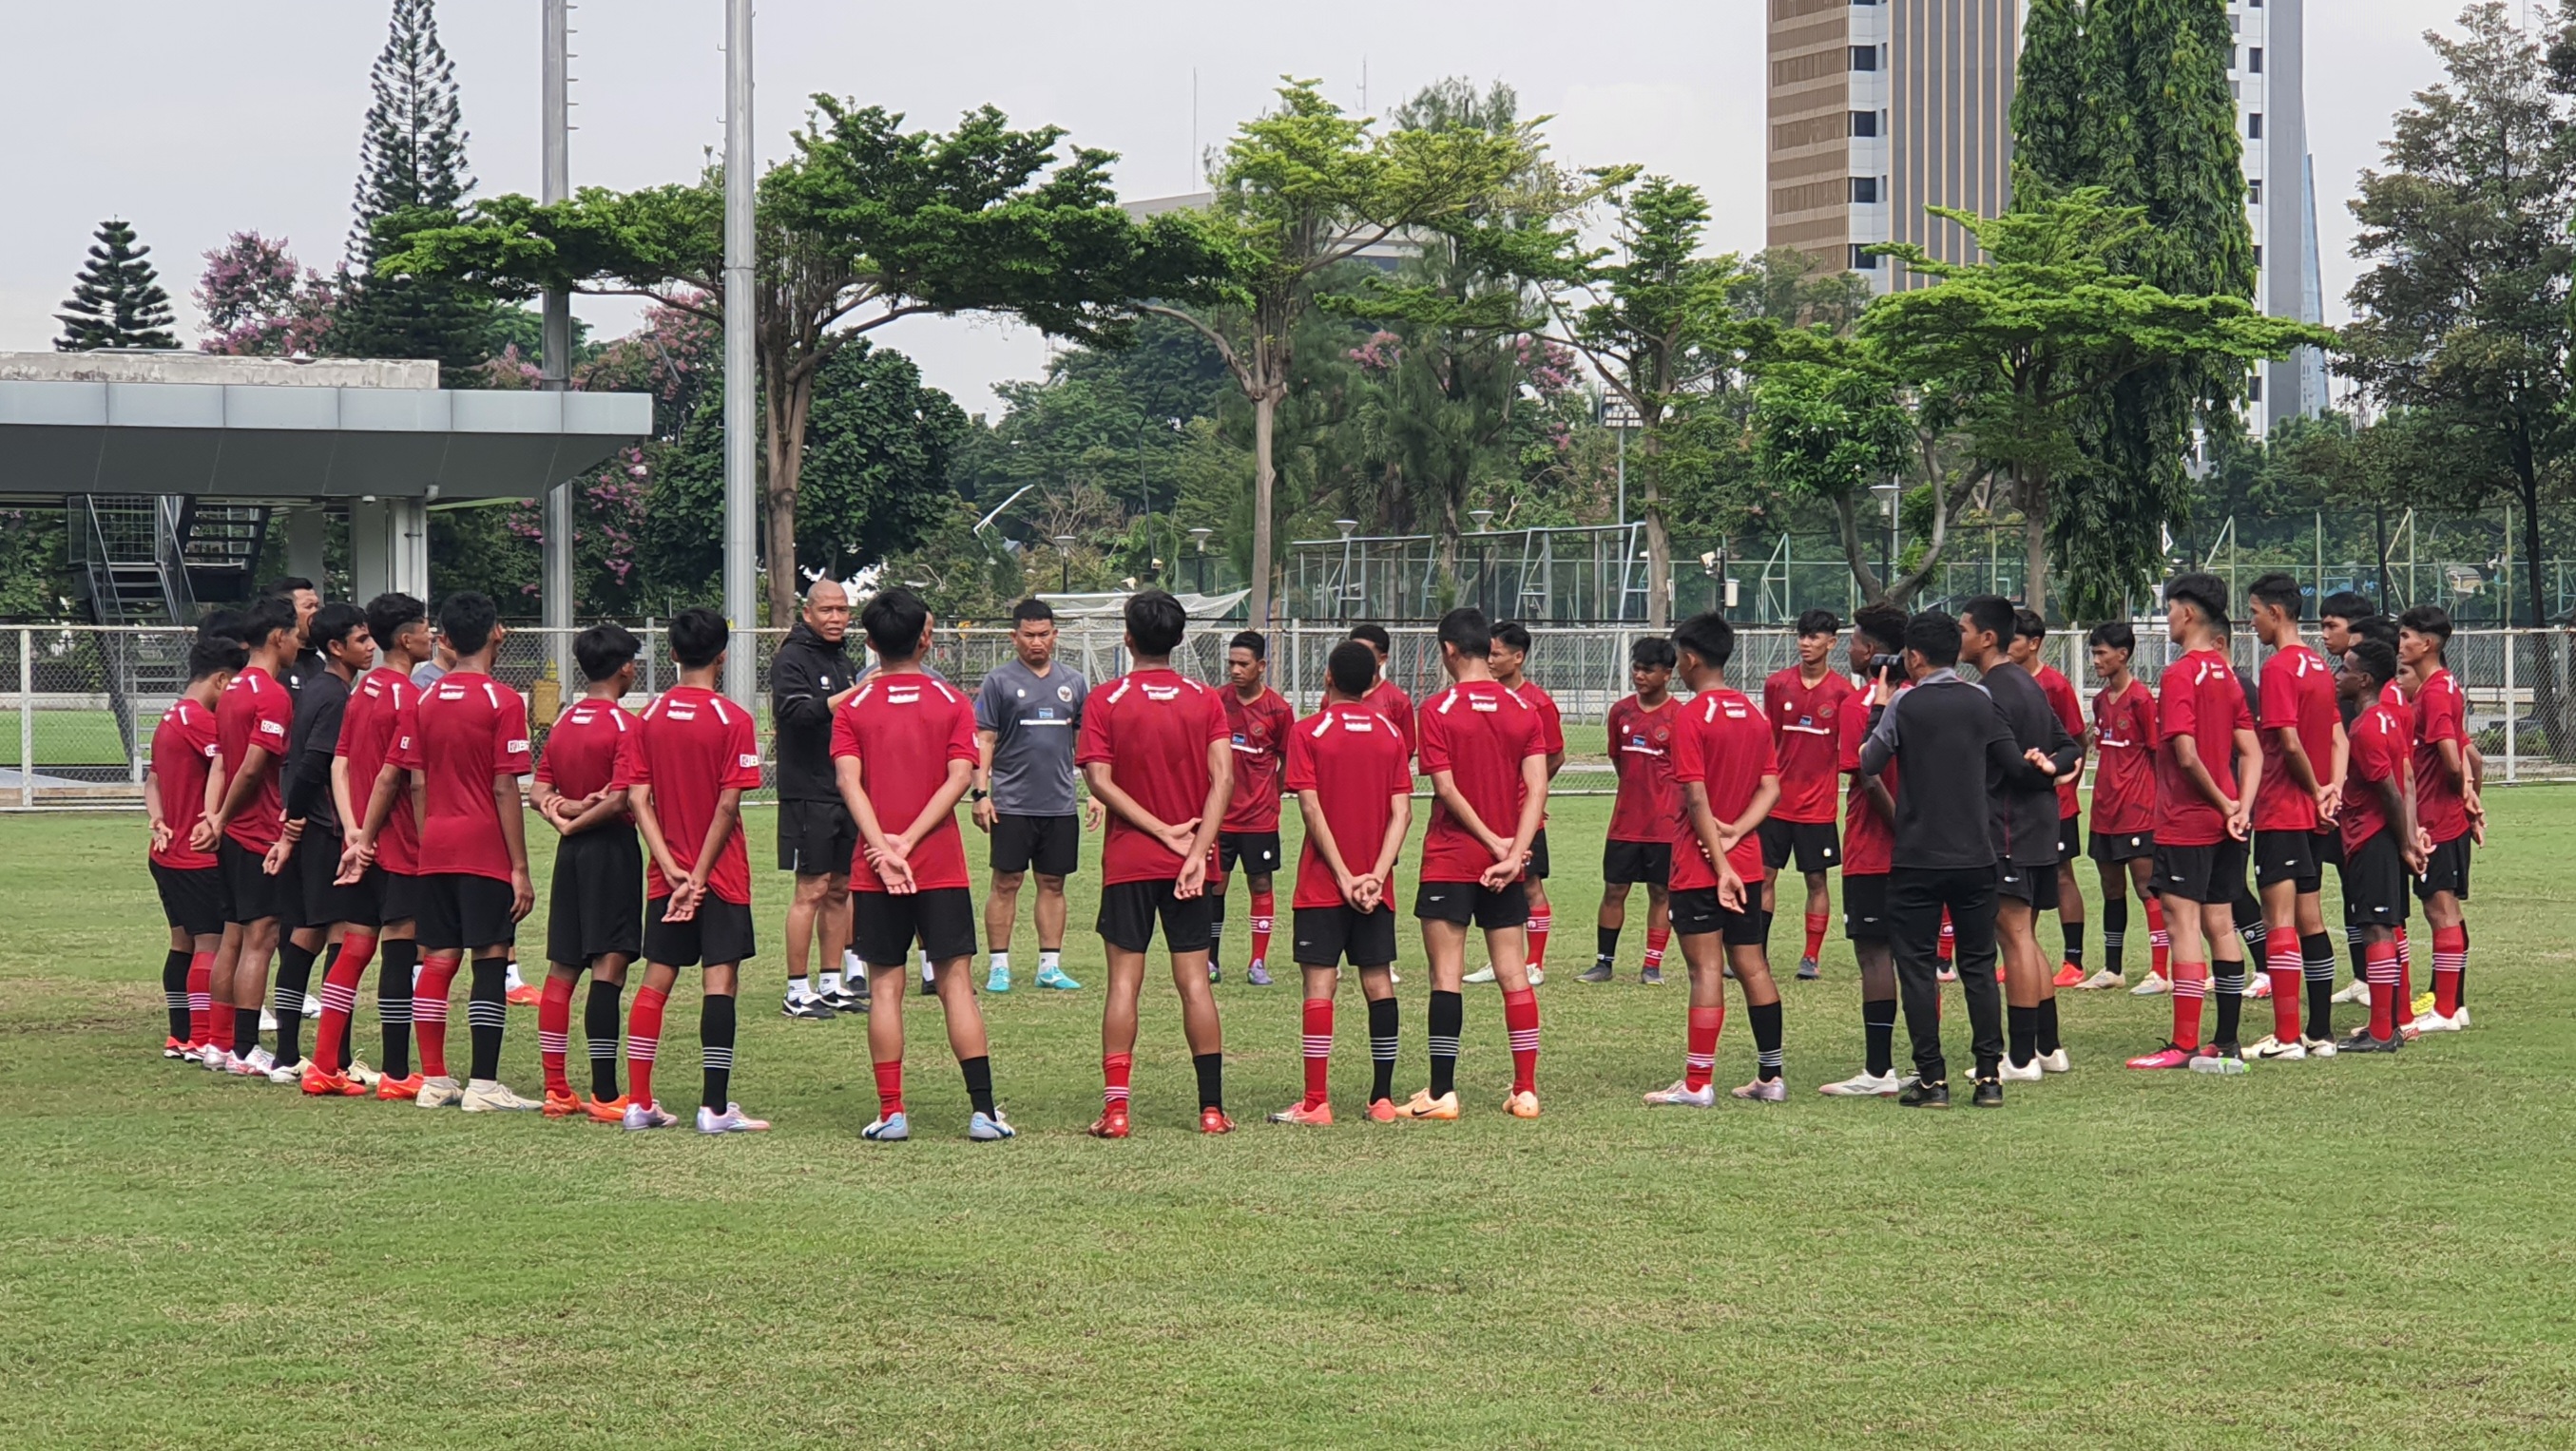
(1027, 715)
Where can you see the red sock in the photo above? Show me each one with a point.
(1113, 1079)
(2289, 977)
(1263, 905)
(1699, 1056)
(429, 1014)
(1539, 923)
(1949, 939)
(889, 1088)
(1657, 939)
(1520, 1019)
(1319, 1048)
(1815, 934)
(219, 1023)
(2379, 966)
(554, 1032)
(643, 1039)
(201, 997)
(2190, 985)
(2159, 943)
(2450, 960)
(340, 997)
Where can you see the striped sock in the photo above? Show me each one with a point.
(2450, 967)
(487, 1017)
(2288, 972)
(1657, 940)
(643, 1040)
(599, 1024)
(1520, 1021)
(2382, 967)
(1539, 925)
(174, 990)
(1699, 1051)
(2317, 961)
(554, 1033)
(1113, 1079)
(715, 1050)
(2190, 986)
(340, 998)
(286, 999)
(1382, 1048)
(1816, 923)
(2229, 978)
(2159, 941)
(1767, 1057)
(201, 997)
(1319, 1048)
(1264, 908)
(429, 1014)
(1448, 1018)
(393, 1003)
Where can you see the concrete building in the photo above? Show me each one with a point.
(2268, 73)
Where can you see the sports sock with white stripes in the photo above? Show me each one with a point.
(1317, 1043)
(1878, 1031)
(393, 1002)
(2317, 970)
(1382, 1048)
(1605, 947)
(2073, 932)
(487, 1016)
(174, 990)
(599, 1024)
(286, 999)
(715, 1049)
(1448, 1018)
(1765, 1021)
(2227, 980)
(2115, 928)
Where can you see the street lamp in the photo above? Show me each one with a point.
(1485, 559)
(1342, 605)
(1064, 556)
(1199, 537)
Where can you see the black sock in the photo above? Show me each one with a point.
(393, 1003)
(979, 1084)
(1382, 1045)
(174, 990)
(599, 1022)
(1878, 1029)
(2360, 950)
(2024, 1032)
(1448, 1017)
(487, 1015)
(2316, 968)
(1767, 1057)
(245, 1031)
(1211, 1071)
(2115, 928)
(1216, 925)
(2048, 1039)
(715, 1049)
(286, 999)
(1605, 946)
(2228, 979)
(2074, 933)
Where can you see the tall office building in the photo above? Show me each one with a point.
(2268, 74)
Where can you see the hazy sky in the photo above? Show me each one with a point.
(198, 118)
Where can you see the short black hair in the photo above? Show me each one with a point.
(2027, 625)
(2346, 605)
(1820, 622)
(1881, 625)
(1156, 622)
(215, 653)
(1708, 636)
(332, 624)
(388, 615)
(1653, 653)
(1031, 608)
(2205, 593)
(603, 650)
(285, 586)
(1252, 640)
(698, 636)
(1934, 635)
(2432, 620)
(2376, 627)
(266, 616)
(1374, 635)
(224, 622)
(1352, 667)
(2374, 658)
(2114, 635)
(1512, 635)
(1465, 628)
(1992, 614)
(466, 618)
(2279, 589)
(893, 620)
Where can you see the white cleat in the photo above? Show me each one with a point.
(289, 1072)
(2432, 1022)
(2103, 981)
(2056, 1062)
(363, 1075)
(891, 1128)
(257, 1064)
(1864, 1084)
(312, 1007)
(268, 1021)
(1537, 976)
(491, 1095)
(439, 1092)
(210, 1058)
(2260, 989)
(2029, 1072)
(732, 1121)
(1482, 974)
(1682, 1096)
(2272, 1050)
(642, 1116)
(984, 1128)
(2356, 991)
(2318, 1047)
(2152, 986)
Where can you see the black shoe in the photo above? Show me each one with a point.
(1919, 1094)
(842, 1002)
(1599, 971)
(1990, 1093)
(811, 1009)
(930, 985)
(1651, 977)
(1808, 971)
(2362, 1042)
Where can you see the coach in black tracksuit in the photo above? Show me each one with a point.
(1955, 755)
(2026, 829)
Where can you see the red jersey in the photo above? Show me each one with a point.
(183, 754)
(903, 730)
(2380, 737)
(2202, 699)
(1355, 763)
(1551, 721)
(1388, 700)
(1869, 839)
(1806, 737)
(694, 745)
(591, 749)
(1641, 751)
(473, 731)
(2070, 714)
(1259, 732)
(1479, 733)
(376, 727)
(1153, 727)
(1725, 745)
(255, 710)
(2298, 693)
(2124, 772)
(2441, 714)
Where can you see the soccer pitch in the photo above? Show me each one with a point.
(2355, 1252)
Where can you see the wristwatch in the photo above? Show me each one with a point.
(978, 794)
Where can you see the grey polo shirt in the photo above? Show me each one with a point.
(1034, 720)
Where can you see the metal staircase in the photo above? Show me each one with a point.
(140, 560)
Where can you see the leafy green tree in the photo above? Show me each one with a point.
(117, 301)
(411, 167)
(1834, 426)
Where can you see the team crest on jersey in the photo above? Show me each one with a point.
(1064, 693)
(1260, 731)
(1662, 734)
(1825, 714)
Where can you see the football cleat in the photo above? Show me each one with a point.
(289, 1072)
(2356, 991)
(1381, 1110)
(210, 1057)
(1537, 976)
(1949, 973)
(523, 996)
(642, 1116)
(2218, 1058)
(2057, 1061)
(2103, 981)
(2429, 1021)
(406, 1089)
(1319, 1116)
(255, 1064)
(1989, 1094)
(174, 1048)
(1808, 971)
(1053, 977)
(2270, 1049)
(2362, 1042)
(562, 1105)
(2171, 1055)
(1482, 974)
(1599, 971)
(358, 1072)
(1214, 1121)
(1650, 977)
(732, 1121)
(1763, 1090)
(1682, 1095)
(605, 1110)
(1521, 1103)
(2318, 1047)
(491, 1095)
(2259, 987)
(1919, 1094)
(2029, 1072)
(318, 1084)
(1258, 975)
(1864, 1084)
(1112, 1124)
(887, 1128)
(439, 1092)
(2422, 1004)
(2068, 975)
(267, 1021)
(842, 1001)
(807, 1009)
(998, 980)
(2152, 985)
(1423, 1106)
(985, 1128)
(312, 1009)
(1215, 973)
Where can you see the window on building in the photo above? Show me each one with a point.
(1864, 57)
(2254, 389)
(2258, 255)
(2254, 125)
(2231, 57)
(1864, 123)
(2254, 192)
(1862, 259)
(2254, 59)
(1864, 190)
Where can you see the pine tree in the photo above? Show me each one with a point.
(411, 171)
(118, 301)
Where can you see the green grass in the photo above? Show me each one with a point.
(2361, 1252)
(67, 738)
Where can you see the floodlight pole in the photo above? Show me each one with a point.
(739, 427)
(556, 587)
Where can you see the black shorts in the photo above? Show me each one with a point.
(1257, 851)
(2070, 838)
(1813, 844)
(192, 898)
(1128, 911)
(1650, 862)
(2206, 874)
(2374, 883)
(2287, 856)
(1538, 859)
(1330, 936)
(816, 838)
(250, 893)
(460, 911)
(1466, 902)
(1697, 912)
(397, 895)
(290, 890)
(2019, 882)
(2446, 870)
(325, 901)
(718, 934)
(1865, 907)
(884, 925)
(2328, 847)
(2120, 846)
(1051, 844)
(596, 906)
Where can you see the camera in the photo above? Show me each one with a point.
(1886, 667)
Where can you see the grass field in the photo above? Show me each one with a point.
(2362, 1252)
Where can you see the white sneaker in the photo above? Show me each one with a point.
(2435, 1023)
(2027, 1073)
(2273, 1050)
(641, 1116)
(2260, 988)
(2153, 986)
(1482, 974)
(2056, 1062)
(853, 970)
(260, 1063)
(363, 1075)
(1864, 1084)
(289, 1072)
(732, 1121)
(2356, 991)
(1394, 976)
(439, 1092)
(2103, 981)
(1949, 972)
(1537, 975)
(1680, 1096)
(491, 1095)
(268, 1021)
(210, 1058)
(2318, 1047)
(312, 1007)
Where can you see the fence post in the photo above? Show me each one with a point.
(26, 716)
(2512, 715)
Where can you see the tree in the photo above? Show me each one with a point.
(411, 167)
(1835, 424)
(117, 302)
(257, 302)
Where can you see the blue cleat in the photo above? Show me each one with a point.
(1053, 977)
(998, 980)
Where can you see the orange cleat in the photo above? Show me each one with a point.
(1319, 1116)
(1381, 1110)
(318, 1084)
(1423, 1106)
(398, 1090)
(524, 996)
(1522, 1104)
(2068, 975)
(178, 1049)
(1214, 1121)
(606, 1110)
(562, 1105)
(1112, 1124)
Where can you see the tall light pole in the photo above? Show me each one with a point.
(555, 582)
(1064, 557)
(741, 668)
(1342, 606)
(1199, 536)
